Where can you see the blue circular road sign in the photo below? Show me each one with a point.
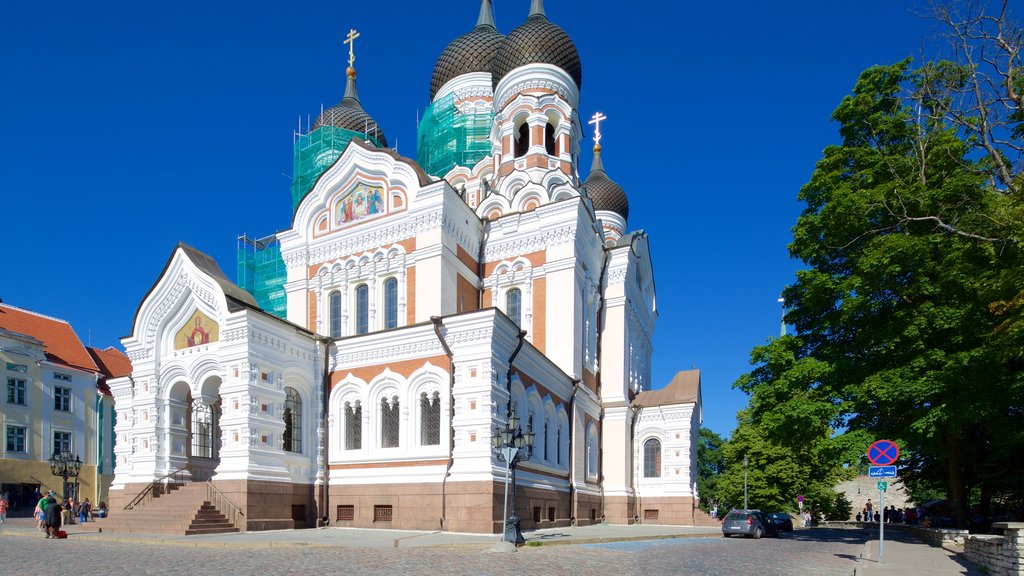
(883, 453)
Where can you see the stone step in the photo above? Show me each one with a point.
(225, 529)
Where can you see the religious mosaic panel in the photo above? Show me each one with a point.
(200, 329)
(363, 201)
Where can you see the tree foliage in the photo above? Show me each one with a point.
(710, 464)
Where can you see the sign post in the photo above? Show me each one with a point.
(883, 454)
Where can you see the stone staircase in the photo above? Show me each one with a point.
(702, 518)
(182, 509)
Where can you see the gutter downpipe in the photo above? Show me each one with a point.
(437, 321)
(508, 407)
(632, 460)
(322, 512)
(597, 377)
(572, 452)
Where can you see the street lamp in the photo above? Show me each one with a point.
(745, 483)
(62, 465)
(511, 445)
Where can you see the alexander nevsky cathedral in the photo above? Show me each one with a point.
(369, 362)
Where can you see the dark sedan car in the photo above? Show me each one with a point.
(753, 523)
(783, 521)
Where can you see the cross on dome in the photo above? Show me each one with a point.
(350, 39)
(596, 121)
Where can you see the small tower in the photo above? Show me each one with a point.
(331, 133)
(611, 206)
(536, 131)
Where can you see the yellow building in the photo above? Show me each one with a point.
(55, 401)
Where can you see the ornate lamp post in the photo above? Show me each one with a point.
(62, 465)
(512, 446)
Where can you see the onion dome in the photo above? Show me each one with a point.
(349, 114)
(604, 193)
(471, 52)
(537, 41)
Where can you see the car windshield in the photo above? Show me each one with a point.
(777, 516)
(737, 516)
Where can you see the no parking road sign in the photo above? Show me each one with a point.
(883, 453)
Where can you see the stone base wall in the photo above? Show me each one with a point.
(466, 506)
(271, 505)
(619, 510)
(666, 510)
(539, 509)
(999, 555)
(589, 509)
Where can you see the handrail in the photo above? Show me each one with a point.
(223, 503)
(147, 492)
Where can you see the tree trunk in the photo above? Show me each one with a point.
(956, 489)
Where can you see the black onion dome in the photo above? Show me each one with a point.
(604, 193)
(537, 41)
(349, 114)
(471, 52)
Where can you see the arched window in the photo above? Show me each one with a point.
(558, 445)
(544, 438)
(389, 422)
(362, 309)
(549, 140)
(335, 306)
(353, 425)
(204, 429)
(522, 140)
(652, 458)
(513, 305)
(390, 303)
(430, 419)
(292, 439)
(591, 452)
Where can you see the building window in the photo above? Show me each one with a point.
(346, 513)
(335, 312)
(61, 442)
(62, 398)
(292, 420)
(558, 445)
(652, 458)
(353, 426)
(522, 140)
(389, 422)
(17, 368)
(390, 303)
(16, 439)
(650, 514)
(544, 438)
(592, 452)
(549, 140)
(62, 377)
(513, 305)
(362, 309)
(204, 430)
(16, 391)
(382, 513)
(430, 419)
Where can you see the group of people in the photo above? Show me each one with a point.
(51, 515)
(891, 515)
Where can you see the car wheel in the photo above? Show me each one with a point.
(724, 535)
(757, 533)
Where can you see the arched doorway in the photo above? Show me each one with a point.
(204, 430)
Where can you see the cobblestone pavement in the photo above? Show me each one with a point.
(807, 553)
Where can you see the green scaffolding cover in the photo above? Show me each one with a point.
(261, 272)
(314, 153)
(447, 137)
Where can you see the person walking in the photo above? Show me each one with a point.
(51, 517)
(3, 509)
(869, 509)
(83, 511)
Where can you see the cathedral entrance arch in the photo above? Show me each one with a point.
(204, 430)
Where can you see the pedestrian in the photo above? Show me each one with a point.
(40, 511)
(3, 508)
(51, 517)
(65, 513)
(877, 517)
(101, 509)
(869, 509)
(858, 516)
(83, 511)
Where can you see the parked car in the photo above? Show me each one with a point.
(753, 523)
(782, 521)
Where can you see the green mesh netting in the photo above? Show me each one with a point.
(261, 272)
(314, 153)
(447, 138)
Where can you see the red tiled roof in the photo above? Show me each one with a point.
(60, 342)
(112, 362)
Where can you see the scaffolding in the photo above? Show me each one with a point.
(447, 137)
(261, 272)
(315, 151)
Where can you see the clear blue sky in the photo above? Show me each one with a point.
(126, 127)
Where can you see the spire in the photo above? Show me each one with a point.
(597, 165)
(486, 15)
(537, 8)
(350, 85)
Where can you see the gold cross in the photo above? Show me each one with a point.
(596, 121)
(350, 40)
